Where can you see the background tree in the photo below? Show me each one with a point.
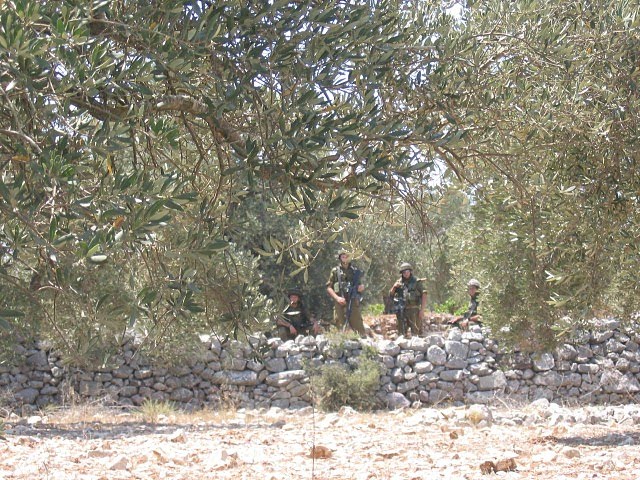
(549, 98)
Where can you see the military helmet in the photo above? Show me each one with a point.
(405, 266)
(473, 283)
(294, 291)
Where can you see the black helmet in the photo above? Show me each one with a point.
(294, 291)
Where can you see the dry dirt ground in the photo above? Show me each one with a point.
(540, 442)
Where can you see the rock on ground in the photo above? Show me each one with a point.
(444, 443)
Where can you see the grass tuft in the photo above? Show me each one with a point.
(152, 410)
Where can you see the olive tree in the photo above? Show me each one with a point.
(131, 132)
(550, 101)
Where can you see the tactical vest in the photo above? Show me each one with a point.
(410, 293)
(344, 279)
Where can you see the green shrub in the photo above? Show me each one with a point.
(449, 306)
(373, 309)
(336, 385)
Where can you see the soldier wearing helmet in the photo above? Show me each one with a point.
(471, 316)
(473, 283)
(410, 300)
(295, 319)
(345, 287)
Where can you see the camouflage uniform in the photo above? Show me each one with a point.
(295, 314)
(472, 311)
(471, 315)
(341, 281)
(410, 292)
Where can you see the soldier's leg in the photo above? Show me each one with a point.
(355, 321)
(419, 325)
(401, 324)
(306, 332)
(284, 333)
(413, 318)
(339, 311)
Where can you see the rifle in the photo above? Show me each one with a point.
(352, 293)
(398, 309)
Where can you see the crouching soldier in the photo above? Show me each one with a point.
(471, 316)
(295, 320)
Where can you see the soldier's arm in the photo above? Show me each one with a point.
(476, 317)
(395, 286)
(282, 322)
(330, 283)
(332, 293)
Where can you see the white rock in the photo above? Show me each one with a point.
(179, 436)
(547, 456)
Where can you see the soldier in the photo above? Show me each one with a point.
(410, 300)
(295, 319)
(344, 287)
(471, 316)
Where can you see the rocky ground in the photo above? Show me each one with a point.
(536, 441)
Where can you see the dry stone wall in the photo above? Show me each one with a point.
(600, 366)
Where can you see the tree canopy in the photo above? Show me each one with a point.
(167, 166)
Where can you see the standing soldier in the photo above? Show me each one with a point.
(410, 300)
(344, 287)
(295, 319)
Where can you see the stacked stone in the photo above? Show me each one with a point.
(600, 366)
(434, 369)
(32, 382)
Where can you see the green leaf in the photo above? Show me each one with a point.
(9, 313)
(147, 296)
(347, 214)
(213, 247)
(63, 239)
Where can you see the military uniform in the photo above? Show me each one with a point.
(409, 295)
(341, 281)
(296, 315)
(471, 315)
(472, 310)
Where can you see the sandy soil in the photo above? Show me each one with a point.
(411, 444)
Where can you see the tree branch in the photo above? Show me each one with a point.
(181, 104)
(24, 137)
